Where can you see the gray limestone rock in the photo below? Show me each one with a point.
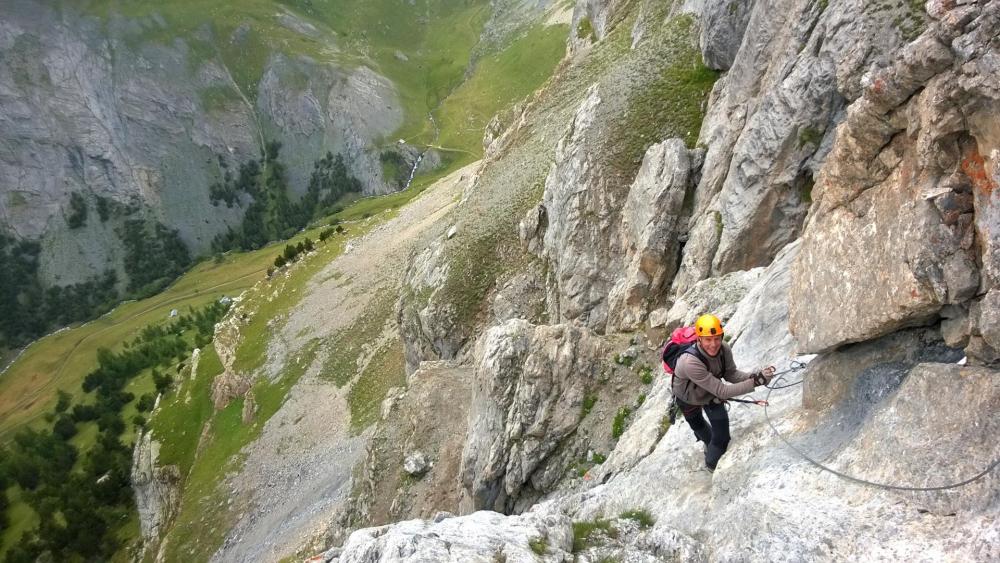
(157, 489)
(426, 325)
(478, 537)
(765, 497)
(758, 329)
(906, 171)
(611, 255)
(832, 376)
(416, 464)
(522, 297)
(771, 117)
(718, 296)
(652, 213)
(529, 389)
(581, 212)
(722, 25)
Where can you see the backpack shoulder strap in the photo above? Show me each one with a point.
(694, 351)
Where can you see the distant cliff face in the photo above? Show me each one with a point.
(136, 118)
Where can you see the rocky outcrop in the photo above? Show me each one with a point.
(592, 19)
(651, 217)
(722, 27)
(833, 376)
(758, 329)
(771, 118)
(608, 250)
(481, 536)
(426, 325)
(157, 489)
(582, 212)
(231, 383)
(907, 170)
(527, 398)
(411, 467)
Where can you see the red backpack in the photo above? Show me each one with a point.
(682, 340)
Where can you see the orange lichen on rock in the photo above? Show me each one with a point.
(975, 168)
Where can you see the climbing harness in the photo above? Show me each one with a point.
(852, 478)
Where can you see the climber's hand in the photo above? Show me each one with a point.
(763, 376)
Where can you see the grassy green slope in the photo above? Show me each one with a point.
(499, 80)
(61, 361)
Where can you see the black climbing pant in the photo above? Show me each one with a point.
(714, 433)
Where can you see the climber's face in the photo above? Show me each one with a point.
(710, 344)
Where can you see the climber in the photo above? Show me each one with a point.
(697, 386)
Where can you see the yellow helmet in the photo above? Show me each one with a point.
(708, 325)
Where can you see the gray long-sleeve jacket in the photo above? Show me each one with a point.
(698, 384)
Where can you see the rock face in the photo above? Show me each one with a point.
(157, 489)
(591, 21)
(653, 210)
(832, 376)
(427, 326)
(771, 118)
(771, 499)
(758, 329)
(230, 384)
(91, 106)
(608, 252)
(421, 431)
(908, 171)
(581, 213)
(482, 536)
(887, 269)
(722, 27)
(719, 296)
(528, 394)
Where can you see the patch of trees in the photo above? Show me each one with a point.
(329, 182)
(29, 309)
(82, 498)
(229, 189)
(107, 208)
(394, 168)
(154, 255)
(77, 211)
(291, 252)
(271, 214)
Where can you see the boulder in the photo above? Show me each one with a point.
(416, 464)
